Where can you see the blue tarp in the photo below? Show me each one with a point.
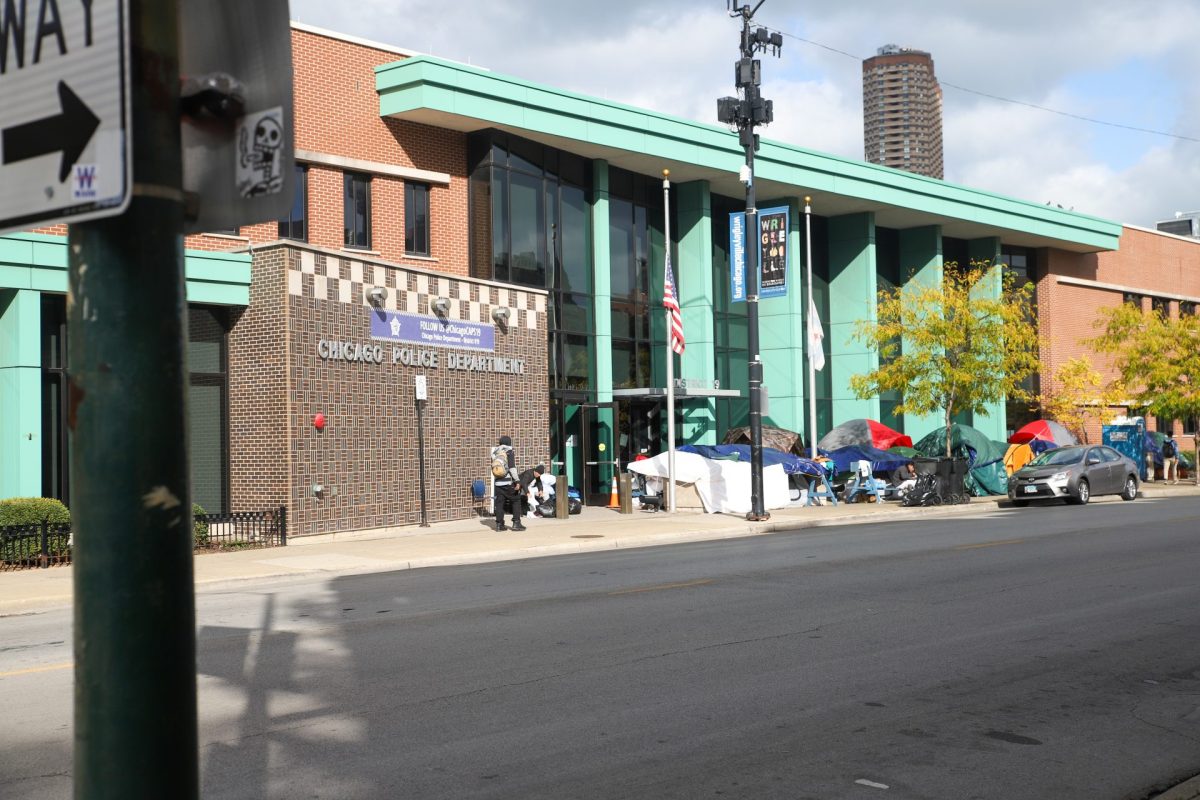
(792, 465)
(881, 460)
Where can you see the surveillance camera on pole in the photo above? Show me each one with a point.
(743, 113)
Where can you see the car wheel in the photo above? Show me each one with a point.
(1130, 488)
(1083, 493)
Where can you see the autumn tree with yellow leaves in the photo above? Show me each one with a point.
(958, 345)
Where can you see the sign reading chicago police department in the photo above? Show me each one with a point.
(397, 326)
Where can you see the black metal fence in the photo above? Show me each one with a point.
(41, 544)
(241, 530)
(48, 544)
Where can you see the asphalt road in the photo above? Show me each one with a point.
(1035, 653)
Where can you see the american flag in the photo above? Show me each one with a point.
(671, 303)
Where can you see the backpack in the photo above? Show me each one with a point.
(1168, 450)
(499, 462)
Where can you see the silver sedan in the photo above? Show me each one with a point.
(1076, 474)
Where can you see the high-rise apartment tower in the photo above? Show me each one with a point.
(902, 111)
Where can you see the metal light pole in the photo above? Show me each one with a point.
(135, 627)
(745, 112)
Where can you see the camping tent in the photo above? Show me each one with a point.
(1042, 435)
(777, 438)
(863, 433)
(792, 464)
(985, 458)
(723, 485)
(881, 460)
(1017, 456)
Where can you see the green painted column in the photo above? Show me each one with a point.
(852, 288)
(994, 423)
(781, 338)
(921, 263)
(20, 393)
(601, 376)
(694, 274)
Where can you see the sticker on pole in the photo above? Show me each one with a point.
(65, 144)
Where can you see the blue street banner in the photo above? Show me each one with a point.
(773, 251)
(737, 257)
(773, 254)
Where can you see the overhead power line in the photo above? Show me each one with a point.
(1007, 99)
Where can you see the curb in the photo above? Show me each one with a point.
(1188, 790)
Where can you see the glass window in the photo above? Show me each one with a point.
(1186, 308)
(416, 219)
(294, 225)
(357, 208)
(1160, 305)
(527, 222)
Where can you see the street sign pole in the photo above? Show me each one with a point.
(135, 648)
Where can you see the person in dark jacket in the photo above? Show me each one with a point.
(534, 493)
(1170, 460)
(507, 488)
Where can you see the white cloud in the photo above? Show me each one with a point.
(676, 56)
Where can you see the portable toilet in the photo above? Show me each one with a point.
(1128, 437)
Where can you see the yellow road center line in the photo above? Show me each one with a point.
(988, 544)
(662, 587)
(32, 670)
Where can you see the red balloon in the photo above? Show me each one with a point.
(319, 421)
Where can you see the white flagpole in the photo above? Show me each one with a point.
(670, 353)
(812, 373)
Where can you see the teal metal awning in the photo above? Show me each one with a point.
(458, 97)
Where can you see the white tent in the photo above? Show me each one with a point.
(723, 486)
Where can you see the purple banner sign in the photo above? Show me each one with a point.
(397, 326)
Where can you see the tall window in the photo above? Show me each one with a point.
(416, 219)
(208, 406)
(208, 403)
(55, 454)
(1161, 305)
(530, 225)
(294, 225)
(357, 210)
(1021, 264)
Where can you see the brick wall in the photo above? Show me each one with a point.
(1147, 262)
(366, 456)
(337, 114)
(258, 386)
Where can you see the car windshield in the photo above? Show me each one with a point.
(1055, 457)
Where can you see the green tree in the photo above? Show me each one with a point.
(953, 346)
(1157, 359)
(1077, 396)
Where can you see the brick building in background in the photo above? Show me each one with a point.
(902, 111)
(1152, 269)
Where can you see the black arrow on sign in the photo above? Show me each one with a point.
(69, 132)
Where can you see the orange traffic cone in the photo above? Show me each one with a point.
(614, 501)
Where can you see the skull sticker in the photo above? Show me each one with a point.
(260, 141)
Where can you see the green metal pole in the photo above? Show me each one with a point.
(135, 647)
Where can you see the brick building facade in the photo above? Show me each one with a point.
(1151, 268)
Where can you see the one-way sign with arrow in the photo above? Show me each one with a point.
(65, 148)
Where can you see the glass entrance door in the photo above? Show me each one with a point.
(582, 443)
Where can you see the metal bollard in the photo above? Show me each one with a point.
(625, 492)
(561, 510)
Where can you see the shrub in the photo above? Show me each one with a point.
(32, 510)
(199, 527)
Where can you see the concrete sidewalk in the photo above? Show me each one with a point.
(474, 541)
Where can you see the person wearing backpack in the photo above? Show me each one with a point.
(507, 486)
(1170, 460)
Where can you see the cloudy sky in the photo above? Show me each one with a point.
(1132, 64)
